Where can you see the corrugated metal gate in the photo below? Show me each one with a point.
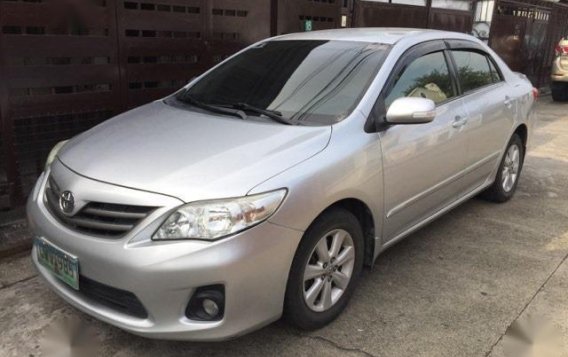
(59, 76)
(525, 33)
(379, 14)
(292, 14)
(67, 65)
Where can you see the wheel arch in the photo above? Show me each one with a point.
(522, 131)
(365, 217)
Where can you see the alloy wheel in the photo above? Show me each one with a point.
(511, 166)
(329, 270)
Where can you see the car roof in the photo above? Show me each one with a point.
(386, 35)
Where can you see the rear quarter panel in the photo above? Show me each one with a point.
(522, 91)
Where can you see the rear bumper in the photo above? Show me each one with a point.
(253, 266)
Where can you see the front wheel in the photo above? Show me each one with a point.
(325, 270)
(508, 173)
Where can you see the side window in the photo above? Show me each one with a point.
(494, 72)
(473, 70)
(427, 77)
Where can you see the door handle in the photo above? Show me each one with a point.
(508, 102)
(459, 121)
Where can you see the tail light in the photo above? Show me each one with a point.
(561, 50)
(535, 93)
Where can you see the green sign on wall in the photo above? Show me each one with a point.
(308, 25)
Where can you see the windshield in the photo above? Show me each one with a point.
(315, 81)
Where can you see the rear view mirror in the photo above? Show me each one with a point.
(411, 110)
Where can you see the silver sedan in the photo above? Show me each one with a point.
(264, 186)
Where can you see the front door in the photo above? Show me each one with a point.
(423, 162)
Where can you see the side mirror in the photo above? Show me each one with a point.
(411, 110)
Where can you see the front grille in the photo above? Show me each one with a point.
(97, 218)
(119, 300)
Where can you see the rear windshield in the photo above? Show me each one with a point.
(319, 82)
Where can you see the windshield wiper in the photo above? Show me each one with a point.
(272, 114)
(212, 108)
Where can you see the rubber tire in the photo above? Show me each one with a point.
(559, 91)
(495, 192)
(296, 312)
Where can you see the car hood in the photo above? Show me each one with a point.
(189, 155)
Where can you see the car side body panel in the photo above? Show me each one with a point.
(423, 166)
(346, 169)
(488, 119)
(317, 184)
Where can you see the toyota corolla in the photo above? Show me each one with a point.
(265, 186)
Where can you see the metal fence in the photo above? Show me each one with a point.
(67, 65)
(385, 14)
(525, 33)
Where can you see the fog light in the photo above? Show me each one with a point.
(210, 307)
(207, 304)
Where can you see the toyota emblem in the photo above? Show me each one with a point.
(67, 202)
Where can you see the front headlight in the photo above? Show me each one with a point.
(210, 220)
(53, 153)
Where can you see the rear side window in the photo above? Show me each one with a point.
(494, 72)
(475, 70)
(427, 77)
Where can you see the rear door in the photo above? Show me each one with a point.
(422, 163)
(491, 109)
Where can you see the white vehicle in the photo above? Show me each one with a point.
(559, 77)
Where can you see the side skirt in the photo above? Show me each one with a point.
(432, 217)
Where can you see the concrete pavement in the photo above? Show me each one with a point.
(451, 289)
(14, 234)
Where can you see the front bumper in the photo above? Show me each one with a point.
(253, 266)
